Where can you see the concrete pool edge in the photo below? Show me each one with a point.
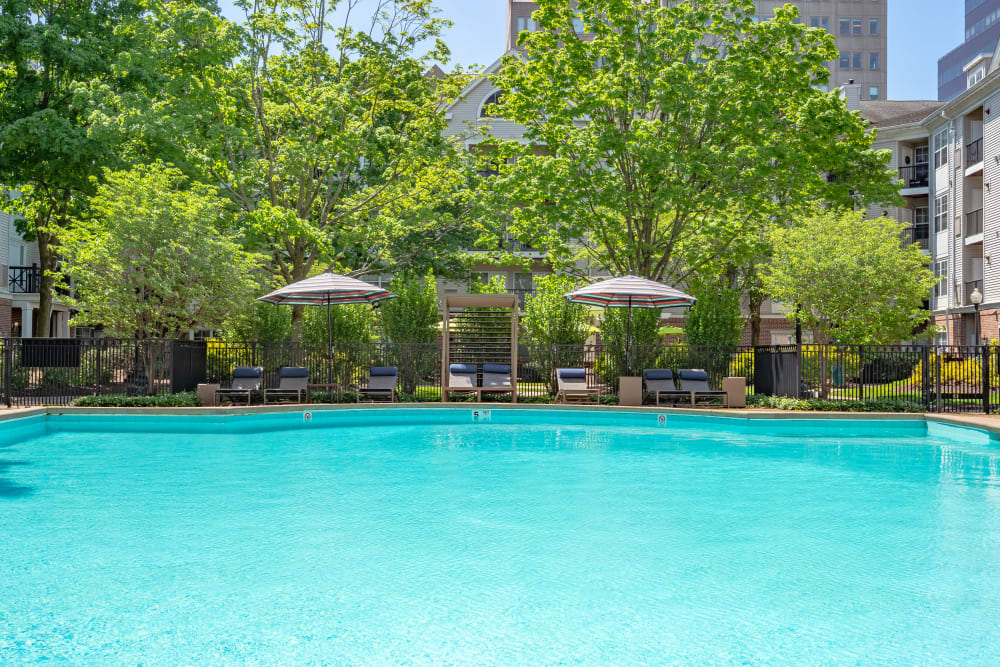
(988, 424)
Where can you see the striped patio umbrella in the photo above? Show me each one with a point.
(328, 289)
(630, 292)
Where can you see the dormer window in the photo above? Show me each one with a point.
(488, 110)
(976, 75)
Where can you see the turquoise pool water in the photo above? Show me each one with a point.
(539, 537)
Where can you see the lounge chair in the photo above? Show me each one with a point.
(661, 383)
(572, 384)
(246, 380)
(462, 380)
(694, 382)
(293, 382)
(496, 380)
(382, 382)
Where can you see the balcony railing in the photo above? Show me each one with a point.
(970, 286)
(24, 279)
(974, 223)
(919, 234)
(916, 176)
(974, 152)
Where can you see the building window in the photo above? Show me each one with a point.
(819, 22)
(525, 23)
(921, 154)
(486, 110)
(856, 60)
(941, 149)
(845, 26)
(845, 60)
(873, 93)
(941, 273)
(873, 60)
(855, 26)
(941, 213)
(872, 26)
(976, 76)
(921, 215)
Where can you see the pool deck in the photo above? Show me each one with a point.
(989, 423)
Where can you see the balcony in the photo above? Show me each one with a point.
(24, 279)
(974, 223)
(915, 176)
(918, 234)
(974, 153)
(968, 289)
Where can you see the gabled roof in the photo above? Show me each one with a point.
(883, 113)
(479, 80)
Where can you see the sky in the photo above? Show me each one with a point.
(919, 32)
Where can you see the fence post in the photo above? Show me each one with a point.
(861, 372)
(937, 378)
(8, 370)
(986, 379)
(925, 377)
(99, 363)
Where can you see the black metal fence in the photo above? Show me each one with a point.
(46, 371)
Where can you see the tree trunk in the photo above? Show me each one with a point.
(755, 307)
(47, 262)
(297, 312)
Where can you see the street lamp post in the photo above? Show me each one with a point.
(977, 300)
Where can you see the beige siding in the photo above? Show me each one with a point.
(991, 202)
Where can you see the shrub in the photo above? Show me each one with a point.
(821, 405)
(187, 399)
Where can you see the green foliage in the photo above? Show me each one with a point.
(855, 280)
(153, 262)
(495, 285)
(187, 399)
(646, 342)
(552, 320)
(328, 139)
(815, 404)
(413, 316)
(683, 155)
(65, 70)
(717, 318)
(258, 321)
(348, 323)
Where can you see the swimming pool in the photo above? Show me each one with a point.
(504, 537)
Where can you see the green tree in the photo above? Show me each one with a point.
(549, 319)
(413, 316)
(63, 67)
(645, 341)
(855, 280)
(556, 328)
(717, 318)
(154, 261)
(329, 139)
(673, 132)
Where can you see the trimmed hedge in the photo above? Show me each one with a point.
(187, 399)
(822, 405)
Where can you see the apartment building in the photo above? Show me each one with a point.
(19, 284)
(948, 157)
(962, 67)
(859, 26)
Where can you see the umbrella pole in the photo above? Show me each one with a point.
(329, 347)
(628, 340)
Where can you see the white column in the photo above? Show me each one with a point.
(26, 313)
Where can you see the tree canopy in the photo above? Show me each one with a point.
(670, 133)
(854, 280)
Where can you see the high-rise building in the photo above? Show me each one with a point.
(859, 27)
(964, 65)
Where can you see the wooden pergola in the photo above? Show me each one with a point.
(479, 329)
